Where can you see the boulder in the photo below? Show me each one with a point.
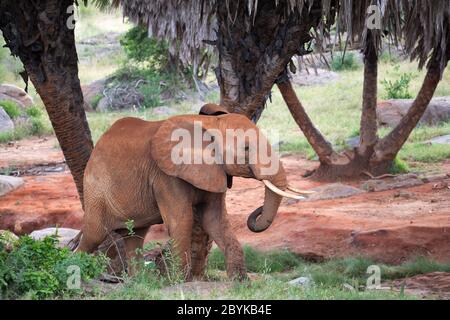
(392, 111)
(398, 182)
(8, 184)
(90, 91)
(440, 140)
(64, 235)
(16, 94)
(334, 191)
(313, 77)
(302, 282)
(6, 123)
(163, 111)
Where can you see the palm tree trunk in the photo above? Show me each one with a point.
(321, 146)
(39, 33)
(369, 125)
(387, 148)
(252, 56)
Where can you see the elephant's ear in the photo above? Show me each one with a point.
(212, 109)
(173, 148)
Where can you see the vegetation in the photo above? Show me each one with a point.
(11, 108)
(398, 89)
(344, 61)
(149, 59)
(333, 279)
(39, 269)
(35, 122)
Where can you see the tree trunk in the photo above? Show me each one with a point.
(40, 34)
(255, 50)
(320, 145)
(387, 148)
(369, 123)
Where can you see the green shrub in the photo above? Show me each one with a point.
(39, 269)
(150, 52)
(343, 62)
(399, 166)
(95, 100)
(34, 112)
(11, 108)
(398, 89)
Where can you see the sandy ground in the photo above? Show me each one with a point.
(389, 226)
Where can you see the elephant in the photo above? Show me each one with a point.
(132, 176)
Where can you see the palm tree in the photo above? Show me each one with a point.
(39, 33)
(255, 41)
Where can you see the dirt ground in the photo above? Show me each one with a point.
(390, 226)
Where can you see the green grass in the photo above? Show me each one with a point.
(275, 269)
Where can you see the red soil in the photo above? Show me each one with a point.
(380, 225)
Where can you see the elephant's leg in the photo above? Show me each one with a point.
(200, 247)
(94, 230)
(216, 223)
(133, 248)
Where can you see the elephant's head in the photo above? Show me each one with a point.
(204, 150)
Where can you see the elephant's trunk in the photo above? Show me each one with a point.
(261, 219)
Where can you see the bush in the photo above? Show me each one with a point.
(151, 53)
(399, 166)
(34, 112)
(11, 108)
(399, 89)
(39, 269)
(343, 62)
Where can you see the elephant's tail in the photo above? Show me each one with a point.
(74, 243)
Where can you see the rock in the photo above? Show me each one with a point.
(440, 140)
(64, 235)
(163, 111)
(353, 142)
(313, 77)
(91, 91)
(392, 111)
(6, 123)
(7, 238)
(8, 184)
(334, 191)
(402, 181)
(16, 94)
(302, 282)
(435, 177)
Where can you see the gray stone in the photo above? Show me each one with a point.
(163, 111)
(8, 184)
(440, 140)
(353, 142)
(313, 77)
(302, 282)
(334, 191)
(12, 93)
(402, 181)
(392, 111)
(6, 123)
(64, 235)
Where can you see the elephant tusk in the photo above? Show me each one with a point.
(282, 193)
(304, 192)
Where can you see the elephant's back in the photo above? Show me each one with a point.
(119, 165)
